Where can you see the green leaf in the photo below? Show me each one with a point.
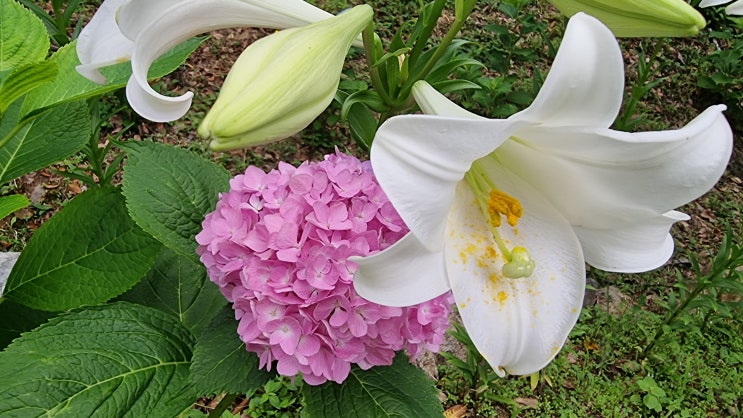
(399, 390)
(652, 402)
(180, 287)
(86, 254)
(169, 190)
(369, 98)
(363, 125)
(119, 360)
(452, 86)
(220, 361)
(70, 85)
(24, 79)
(16, 318)
(52, 136)
(10, 204)
(23, 38)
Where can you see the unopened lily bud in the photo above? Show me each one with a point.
(282, 82)
(641, 18)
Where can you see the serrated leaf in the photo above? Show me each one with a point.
(86, 254)
(220, 361)
(180, 287)
(119, 360)
(169, 190)
(400, 390)
(52, 136)
(24, 79)
(18, 47)
(70, 85)
(10, 204)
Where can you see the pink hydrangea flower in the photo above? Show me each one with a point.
(277, 245)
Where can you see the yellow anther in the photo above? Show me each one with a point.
(501, 203)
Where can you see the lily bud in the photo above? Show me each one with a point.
(282, 82)
(641, 18)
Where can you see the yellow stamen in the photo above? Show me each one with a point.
(495, 203)
(501, 203)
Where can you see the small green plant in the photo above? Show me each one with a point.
(59, 23)
(695, 304)
(647, 67)
(654, 396)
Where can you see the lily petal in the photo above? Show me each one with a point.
(518, 325)
(101, 43)
(589, 61)
(404, 274)
(642, 246)
(418, 160)
(432, 102)
(735, 8)
(605, 179)
(192, 17)
(708, 3)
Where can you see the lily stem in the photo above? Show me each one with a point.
(371, 60)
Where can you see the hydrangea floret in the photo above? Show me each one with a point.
(277, 246)
(506, 212)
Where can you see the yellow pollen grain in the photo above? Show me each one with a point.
(501, 297)
(494, 278)
(500, 203)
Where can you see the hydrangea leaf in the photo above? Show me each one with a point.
(86, 254)
(10, 204)
(69, 85)
(178, 286)
(50, 137)
(121, 360)
(399, 390)
(24, 79)
(220, 361)
(16, 318)
(169, 191)
(19, 47)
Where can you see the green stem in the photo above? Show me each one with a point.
(223, 405)
(682, 308)
(636, 93)
(368, 37)
(451, 34)
(425, 34)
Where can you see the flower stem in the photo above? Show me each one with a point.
(222, 406)
(371, 60)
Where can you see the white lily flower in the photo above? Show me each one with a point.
(735, 8)
(143, 30)
(568, 189)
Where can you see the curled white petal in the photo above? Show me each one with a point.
(603, 179)
(643, 245)
(735, 8)
(101, 43)
(709, 3)
(588, 61)
(404, 274)
(192, 17)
